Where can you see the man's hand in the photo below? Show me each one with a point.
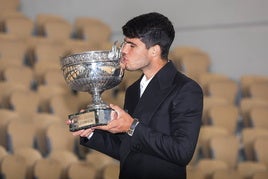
(120, 122)
(81, 133)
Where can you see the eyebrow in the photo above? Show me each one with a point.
(128, 42)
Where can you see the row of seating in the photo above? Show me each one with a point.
(60, 164)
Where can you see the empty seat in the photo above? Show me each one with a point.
(245, 106)
(81, 169)
(248, 168)
(25, 103)
(30, 155)
(208, 166)
(248, 79)
(230, 154)
(260, 175)
(20, 75)
(227, 89)
(206, 134)
(209, 102)
(226, 174)
(260, 149)
(54, 134)
(226, 116)
(258, 117)
(58, 31)
(249, 135)
(21, 134)
(110, 171)
(11, 162)
(48, 168)
(6, 117)
(21, 27)
(259, 90)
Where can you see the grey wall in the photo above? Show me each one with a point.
(233, 32)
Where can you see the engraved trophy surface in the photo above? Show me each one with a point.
(92, 72)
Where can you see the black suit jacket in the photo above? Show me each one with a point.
(163, 143)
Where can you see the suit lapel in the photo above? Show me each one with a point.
(155, 93)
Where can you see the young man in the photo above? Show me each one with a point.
(155, 135)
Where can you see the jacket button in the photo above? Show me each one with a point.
(137, 147)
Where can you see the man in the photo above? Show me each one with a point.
(155, 135)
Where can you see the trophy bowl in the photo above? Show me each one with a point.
(92, 72)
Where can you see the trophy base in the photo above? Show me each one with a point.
(89, 118)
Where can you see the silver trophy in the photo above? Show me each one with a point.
(92, 72)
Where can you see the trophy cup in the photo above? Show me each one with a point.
(92, 72)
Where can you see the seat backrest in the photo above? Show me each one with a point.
(16, 140)
(25, 103)
(226, 116)
(228, 154)
(48, 168)
(54, 133)
(81, 169)
(248, 168)
(249, 136)
(11, 162)
(260, 149)
(258, 117)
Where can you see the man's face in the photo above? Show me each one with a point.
(134, 54)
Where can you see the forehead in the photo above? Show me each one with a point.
(133, 41)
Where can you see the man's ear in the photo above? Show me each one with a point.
(155, 50)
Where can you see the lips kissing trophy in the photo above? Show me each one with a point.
(92, 72)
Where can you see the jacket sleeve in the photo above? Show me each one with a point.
(104, 142)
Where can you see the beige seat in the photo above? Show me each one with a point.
(208, 166)
(43, 18)
(46, 93)
(47, 57)
(30, 155)
(65, 158)
(178, 52)
(11, 162)
(55, 78)
(57, 30)
(6, 89)
(209, 102)
(8, 10)
(261, 175)
(260, 147)
(78, 46)
(6, 117)
(206, 134)
(226, 174)
(249, 135)
(25, 103)
(230, 154)
(54, 134)
(245, 106)
(258, 117)
(110, 171)
(21, 75)
(194, 173)
(64, 105)
(92, 29)
(98, 160)
(226, 116)
(48, 168)
(247, 169)
(16, 140)
(248, 79)
(13, 48)
(81, 169)
(205, 78)
(227, 89)
(193, 65)
(41, 122)
(3, 153)
(20, 27)
(259, 90)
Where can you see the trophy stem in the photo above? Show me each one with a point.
(97, 102)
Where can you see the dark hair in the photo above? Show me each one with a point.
(152, 29)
